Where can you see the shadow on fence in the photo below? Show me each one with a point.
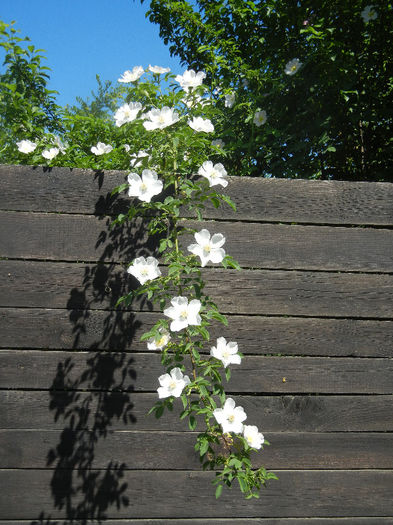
(89, 401)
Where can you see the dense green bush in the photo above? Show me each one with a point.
(331, 118)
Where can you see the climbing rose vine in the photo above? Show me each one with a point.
(163, 134)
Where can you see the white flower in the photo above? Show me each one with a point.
(101, 148)
(369, 13)
(226, 352)
(160, 118)
(190, 79)
(292, 66)
(260, 118)
(159, 70)
(126, 147)
(144, 269)
(253, 437)
(218, 143)
(230, 100)
(144, 187)
(172, 384)
(131, 76)
(59, 144)
(193, 100)
(214, 174)
(208, 249)
(136, 160)
(183, 313)
(127, 113)
(26, 146)
(51, 153)
(159, 341)
(200, 124)
(230, 417)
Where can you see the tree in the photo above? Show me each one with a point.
(331, 118)
(27, 107)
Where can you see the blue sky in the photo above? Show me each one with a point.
(84, 37)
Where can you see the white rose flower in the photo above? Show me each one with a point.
(144, 269)
(230, 100)
(160, 118)
(131, 76)
(160, 341)
(159, 70)
(126, 147)
(172, 384)
(292, 66)
(127, 113)
(101, 148)
(215, 174)
(369, 13)
(227, 353)
(230, 417)
(260, 118)
(254, 438)
(59, 144)
(193, 100)
(190, 79)
(136, 160)
(200, 124)
(183, 313)
(26, 146)
(208, 249)
(144, 187)
(218, 143)
(51, 153)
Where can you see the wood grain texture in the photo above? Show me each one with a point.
(313, 294)
(37, 449)
(277, 246)
(36, 369)
(128, 411)
(26, 328)
(322, 493)
(42, 519)
(86, 191)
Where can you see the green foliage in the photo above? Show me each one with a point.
(27, 107)
(332, 119)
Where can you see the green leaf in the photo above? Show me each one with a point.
(218, 491)
(192, 423)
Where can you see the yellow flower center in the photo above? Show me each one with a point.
(183, 315)
(144, 271)
(293, 68)
(172, 385)
(207, 248)
(143, 187)
(231, 418)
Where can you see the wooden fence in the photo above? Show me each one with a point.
(311, 311)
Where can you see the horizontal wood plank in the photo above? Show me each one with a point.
(26, 328)
(120, 371)
(86, 191)
(37, 449)
(128, 411)
(81, 286)
(369, 520)
(128, 494)
(277, 246)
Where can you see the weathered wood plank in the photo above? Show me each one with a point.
(128, 494)
(277, 246)
(128, 411)
(219, 521)
(80, 286)
(27, 328)
(37, 449)
(86, 191)
(139, 372)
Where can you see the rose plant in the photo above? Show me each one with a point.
(163, 133)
